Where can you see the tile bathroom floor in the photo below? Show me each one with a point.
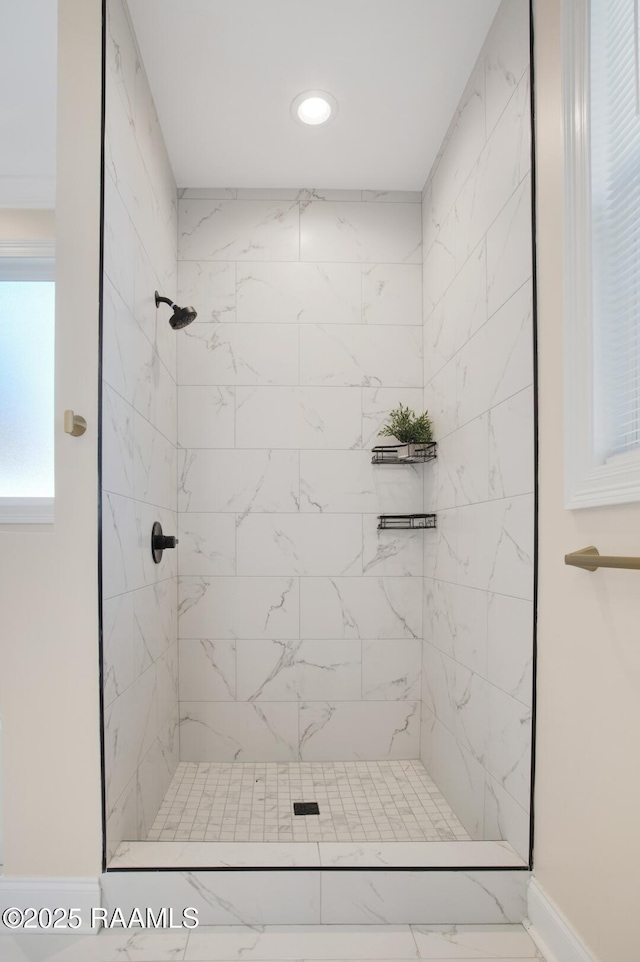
(335, 943)
(253, 802)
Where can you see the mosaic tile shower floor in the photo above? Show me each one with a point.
(253, 802)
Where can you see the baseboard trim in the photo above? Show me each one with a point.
(551, 931)
(78, 893)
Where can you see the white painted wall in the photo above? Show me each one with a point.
(300, 623)
(49, 585)
(478, 349)
(587, 844)
(138, 446)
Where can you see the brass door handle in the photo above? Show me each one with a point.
(590, 559)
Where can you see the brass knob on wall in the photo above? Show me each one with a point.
(74, 424)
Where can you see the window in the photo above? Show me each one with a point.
(602, 190)
(27, 324)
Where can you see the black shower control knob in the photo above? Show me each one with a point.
(160, 542)
(167, 541)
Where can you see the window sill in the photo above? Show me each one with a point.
(615, 482)
(26, 510)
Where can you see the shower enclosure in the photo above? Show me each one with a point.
(291, 652)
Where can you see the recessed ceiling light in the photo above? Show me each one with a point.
(313, 108)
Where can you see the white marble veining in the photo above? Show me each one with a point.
(392, 294)
(139, 450)
(298, 417)
(299, 670)
(379, 233)
(302, 544)
(361, 608)
(211, 287)
(221, 354)
(239, 607)
(387, 730)
(478, 374)
(206, 416)
(297, 293)
(361, 355)
(239, 731)
(238, 481)
(391, 670)
(207, 544)
(445, 897)
(273, 943)
(238, 230)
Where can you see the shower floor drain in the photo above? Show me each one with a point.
(306, 808)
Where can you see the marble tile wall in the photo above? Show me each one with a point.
(478, 354)
(300, 624)
(139, 454)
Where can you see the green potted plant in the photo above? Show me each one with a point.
(408, 428)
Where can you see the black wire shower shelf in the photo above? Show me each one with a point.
(404, 453)
(406, 522)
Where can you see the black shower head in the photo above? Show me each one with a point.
(181, 317)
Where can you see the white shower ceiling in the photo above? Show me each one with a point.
(224, 74)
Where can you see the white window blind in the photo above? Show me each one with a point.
(615, 188)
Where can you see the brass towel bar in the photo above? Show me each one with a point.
(590, 559)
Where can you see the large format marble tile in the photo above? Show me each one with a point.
(504, 162)
(392, 294)
(511, 446)
(508, 757)
(238, 731)
(238, 481)
(207, 544)
(298, 293)
(154, 465)
(474, 942)
(348, 232)
(438, 897)
(498, 361)
(456, 623)
(377, 730)
(118, 645)
(221, 354)
(346, 481)
(506, 57)
(238, 230)
(221, 898)
(361, 608)
(495, 546)
(216, 855)
(391, 670)
(210, 287)
(282, 943)
(206, 416)
(298, 417)
(418, 854)
(303, 544)
(207, 669)
(463, 465)
(109, 945)
(510, 646)
(504, 818)
(388, 552)
(117, 443)
(239, 608)
(361, 355)
(462, 146)
(509, 253)
(299, 670)
(155, 610)
(129, 731)
(459, 776)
